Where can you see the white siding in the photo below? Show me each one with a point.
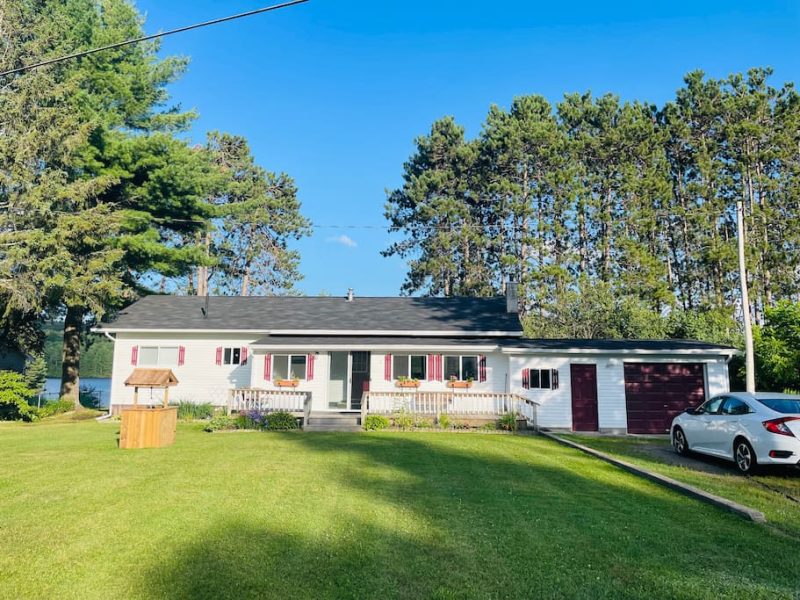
(317, 386)
(717, 381)
(200, 379)
(555, 409)
(496, 374)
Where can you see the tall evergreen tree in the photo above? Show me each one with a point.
(98, 195)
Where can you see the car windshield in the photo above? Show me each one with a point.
(782, 405)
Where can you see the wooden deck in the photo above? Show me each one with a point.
(243, 399)
(460, 405)
(456, 404)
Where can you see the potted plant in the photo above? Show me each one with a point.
(406, 382)
(456, 383)
(293, 382)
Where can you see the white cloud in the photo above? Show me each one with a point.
(344, 240)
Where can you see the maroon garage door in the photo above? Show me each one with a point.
(656, 392)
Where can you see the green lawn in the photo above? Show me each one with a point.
(358, 515)
(771, 491)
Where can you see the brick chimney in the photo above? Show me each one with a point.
(512, 297)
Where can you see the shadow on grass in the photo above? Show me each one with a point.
(438, 516)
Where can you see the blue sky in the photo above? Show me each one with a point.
(334, 92)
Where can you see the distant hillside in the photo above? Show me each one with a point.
(96, 358)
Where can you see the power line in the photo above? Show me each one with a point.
(146, 38)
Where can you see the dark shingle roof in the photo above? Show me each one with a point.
(388, 341)
(615, 345)
(282, 313)
(548, 345)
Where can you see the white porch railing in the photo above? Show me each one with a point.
(269, 400)
(466, 404)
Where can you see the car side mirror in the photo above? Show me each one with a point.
(692, 411)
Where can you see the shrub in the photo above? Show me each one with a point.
(280, 420)
(490, 426)
(89, 397)
(444, 421)
(193, 411)
(252, 419)
(403, 419)
(423, 423)
(14, 396)
(57, 407)
(222, 422)
(36, 372)
(376, 422)
(508, 422)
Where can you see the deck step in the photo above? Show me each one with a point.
(333, 421)
(351, 428)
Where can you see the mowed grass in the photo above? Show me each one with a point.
(385, 515)
(775, 491)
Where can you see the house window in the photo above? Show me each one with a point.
(166, 356)
(461, 367)
(232, 356)
(411, 366)
(289, 366)
(543, 379)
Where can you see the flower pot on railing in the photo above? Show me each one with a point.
(454, 383)
(407, 383)
(287, 383)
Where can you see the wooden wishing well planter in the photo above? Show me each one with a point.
(146, 426)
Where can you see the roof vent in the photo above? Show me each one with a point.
(350, 294)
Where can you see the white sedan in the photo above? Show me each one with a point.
(748, 429)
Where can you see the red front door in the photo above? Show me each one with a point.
(583, 380)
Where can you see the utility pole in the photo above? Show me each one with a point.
(749, 355)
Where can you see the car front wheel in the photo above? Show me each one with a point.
(744, 456)
(679, 442)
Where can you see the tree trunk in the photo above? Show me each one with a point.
(583, 239)
(71, 355)
(606, 231)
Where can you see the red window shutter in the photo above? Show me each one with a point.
(431, 367)
(387, 367)
(181, 355)
(244, 355)
(219, 355)
(482, 368)
(526, 379)
(268, 367)
(135, 355)
(439, 368)
(310, 367)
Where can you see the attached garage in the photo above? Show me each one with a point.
(656, 392)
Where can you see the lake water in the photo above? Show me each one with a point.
(101, 386)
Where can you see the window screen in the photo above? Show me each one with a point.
(544, 379)
(168, 356)
(469, 367)
(418, 365)
(148, 355)
(298, 366)
(400, 363)
(280, 366)
(451, 367)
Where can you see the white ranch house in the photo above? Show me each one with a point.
(328, 357)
